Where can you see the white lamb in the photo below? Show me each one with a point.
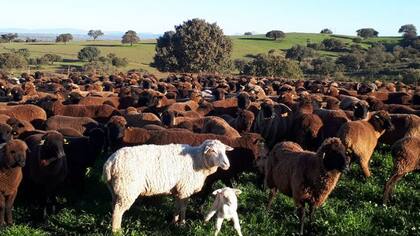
(176, 169)
(225, 205)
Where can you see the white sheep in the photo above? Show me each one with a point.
(225, 206)
(147, 170)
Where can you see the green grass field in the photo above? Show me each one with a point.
(141, 55)
(354, 208)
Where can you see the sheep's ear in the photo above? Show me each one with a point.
(228, 148)
(237, 191)
(207, 150)
(215, 192)
(42, 142)
(376, 116)
(65, 141)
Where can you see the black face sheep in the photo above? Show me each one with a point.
(308, 177)
(176, 169)
(12, 159)
(361, 137)
(46, 168)
(406, 155)
(225, 206)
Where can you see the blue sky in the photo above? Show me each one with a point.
(234, 16)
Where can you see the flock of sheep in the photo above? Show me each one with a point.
(170, 136)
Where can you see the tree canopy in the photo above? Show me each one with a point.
(275, 34)
(64, 38)
(95, 34)
(130, 37)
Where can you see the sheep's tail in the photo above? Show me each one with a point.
(107, 170)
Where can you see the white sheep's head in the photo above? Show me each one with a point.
(227, 195)
(214, 153)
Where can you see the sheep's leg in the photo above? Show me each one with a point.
(236, 224)
(2, 209)
(271, 197)
(301, 214)
(9, 204)
(211, 213)
(119, 208)
(219, 222)
(181, 207)
(390, 185)
(364, 164)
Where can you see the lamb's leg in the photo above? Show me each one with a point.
(301, 214)
(271, 197)
(236, 224)
(211, 213)
(9, 204)
(390, 185)
(2, 209)
(219, 222)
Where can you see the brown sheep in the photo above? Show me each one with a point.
(12, 159)
(217, 125)
(142, 119)
(243, 121)
(91, 100)
(81, 124)
(404, 125)
(34, 114)
(332, 121)
(406, 155)
(19, 126)
(306, 176)
(360, 137)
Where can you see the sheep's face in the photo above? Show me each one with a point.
(52, 146)
(361, 110)
(18, 127)
(243, 100)
(214, 153)
(168, 118)
(334, 155)
(246, 118)
(5, 133)
(381, 121)
(14, 153)
(267, 111)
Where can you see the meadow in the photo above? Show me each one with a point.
(140, 55)
(354, 208)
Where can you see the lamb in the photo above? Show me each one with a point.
(12, 159)
(360, 137)
(176, 169)
(406, 155)
(225, 206)
(306, 176)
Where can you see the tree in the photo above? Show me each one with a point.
(367, 33)
(95, 34)
(130, 37)
(299, 52)
(272, 65)
(275, 34)
(248, 33)
(333, 44)
(195, 46)
(408, 28)
(351, 61)
(89, 53)
(9, 37)
(64, 38)
(324, 66)
(12, 61)
(51, 58)
(326, 31)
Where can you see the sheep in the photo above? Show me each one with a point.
(360, 137)
(12, 159)
(46, 168)
(5, 133)
(176, 169)
(225, 206)
(19, 126)
(406, 155)
(404, 125)
(306, 176)
(81, 124)
(34, 114)
(332, 121)
(242, 123)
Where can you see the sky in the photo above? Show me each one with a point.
(233, 16)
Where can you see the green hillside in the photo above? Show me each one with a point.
(141, 55)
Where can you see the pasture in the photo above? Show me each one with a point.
(140, 55)
(354, 208)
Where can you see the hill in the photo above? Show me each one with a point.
(141, 55)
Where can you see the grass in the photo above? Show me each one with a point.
(354, 208)
(141, 55)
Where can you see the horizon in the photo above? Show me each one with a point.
(289, 16)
